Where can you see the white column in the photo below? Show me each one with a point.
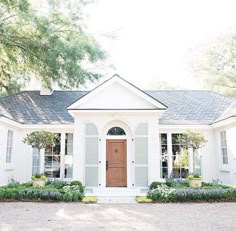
(153, 151)
(190, 159)
(62, 164)
(79, 151)
(169, 149)
(42, 160)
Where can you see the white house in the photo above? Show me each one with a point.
(118, 135)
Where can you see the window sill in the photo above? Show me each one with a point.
(9, 167)
(225, 168)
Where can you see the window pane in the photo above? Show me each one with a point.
(9, 146)
(68, 156)
(223, 142)
(225, 156)
(179, 158)
(164, 156)
(35, 162)
(163, 138)
(53, 160)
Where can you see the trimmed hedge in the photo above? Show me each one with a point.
(209, 192)
(54, 191)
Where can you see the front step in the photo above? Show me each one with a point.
(116, 199)
(116, 194)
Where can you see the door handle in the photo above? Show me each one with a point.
(107, 165)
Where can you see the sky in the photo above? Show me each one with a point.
(155, 40)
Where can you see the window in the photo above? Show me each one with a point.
(35, 162)
(116, 131)
(68, 156)
(52, 159)
(9, 146)
(224, 152)
(164, 156)
(179, 158)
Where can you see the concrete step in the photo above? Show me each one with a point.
(116, 199)
(115, 192)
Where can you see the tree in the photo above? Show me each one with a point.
(40, 140)
(215, 65)
(49, 44)
(192, 141)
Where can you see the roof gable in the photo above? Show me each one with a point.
(116, 94)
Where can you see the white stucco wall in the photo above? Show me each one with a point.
(129, 122)
(226, 172)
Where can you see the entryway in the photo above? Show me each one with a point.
(116, 163)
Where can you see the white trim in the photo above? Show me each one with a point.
(109, 82)
(102, 156)
(225, 122)
(184, 127)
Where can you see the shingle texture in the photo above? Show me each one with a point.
(184, 107)
(191, 107)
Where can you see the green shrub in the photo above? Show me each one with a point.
(162, 193)
(154, 184)
(58, 184)
(171, 182)
(72, 193)
(79, 184)
(26, 191)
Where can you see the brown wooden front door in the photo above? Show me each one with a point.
(116, 163)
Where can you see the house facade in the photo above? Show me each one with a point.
(118, 135)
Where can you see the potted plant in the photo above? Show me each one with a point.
(195, 180)
(39, 180)
(40, 140)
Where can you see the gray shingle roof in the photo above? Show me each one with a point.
(184, 107)
(191, 106)
(228, 113)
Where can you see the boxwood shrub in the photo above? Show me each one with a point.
(56, 190)
(164, 193)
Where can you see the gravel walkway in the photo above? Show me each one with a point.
(77, 216)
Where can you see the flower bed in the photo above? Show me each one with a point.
(53, 191)
(209, 192)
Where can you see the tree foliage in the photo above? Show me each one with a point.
(40, 139)
(48, 43)
(216, 65)
(192, 139)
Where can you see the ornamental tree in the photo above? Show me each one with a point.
(40, 140)
(192, 140)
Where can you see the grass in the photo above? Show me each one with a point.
(89, 199)
(143, 199)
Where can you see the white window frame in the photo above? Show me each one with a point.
(35, 153)
(223, 147)
(66, 154)
(9, 148)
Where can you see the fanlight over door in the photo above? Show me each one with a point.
(116, 131)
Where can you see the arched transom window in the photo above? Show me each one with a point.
(116, 131)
